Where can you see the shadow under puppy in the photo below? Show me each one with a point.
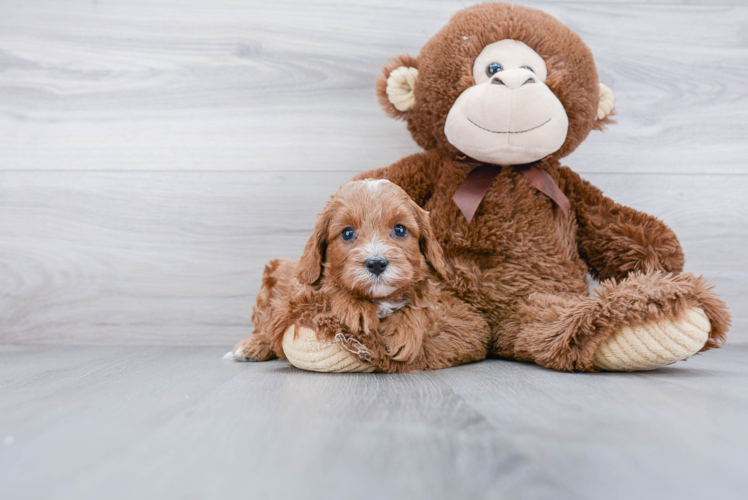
(368, 280)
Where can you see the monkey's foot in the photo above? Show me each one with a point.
(653, 344)
(304, 351)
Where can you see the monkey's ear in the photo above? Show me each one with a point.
(606, 104)
(309, 268)
(395, 87)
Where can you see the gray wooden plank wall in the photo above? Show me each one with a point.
(153, 156)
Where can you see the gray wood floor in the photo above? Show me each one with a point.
(177, 422)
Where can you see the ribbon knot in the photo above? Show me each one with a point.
(472, 191)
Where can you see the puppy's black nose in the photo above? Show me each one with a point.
(377, 265)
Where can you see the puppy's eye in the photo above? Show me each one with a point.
(348, 234)
(400, 231)
(528, 68)
(493, 68)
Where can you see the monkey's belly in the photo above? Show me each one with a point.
(304, 351)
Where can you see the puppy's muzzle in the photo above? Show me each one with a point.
(377, 265)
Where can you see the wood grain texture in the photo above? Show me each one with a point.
(288, 85)
(176, 258)
(154, 156)
(177, 422)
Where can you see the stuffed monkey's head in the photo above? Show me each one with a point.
(500, 83)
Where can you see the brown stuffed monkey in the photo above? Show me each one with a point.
(496, 99)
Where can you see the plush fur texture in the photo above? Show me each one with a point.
(514, 277)
(521, 263)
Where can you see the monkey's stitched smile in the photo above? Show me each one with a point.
(509, 132)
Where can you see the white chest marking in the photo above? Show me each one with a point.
(386, 308)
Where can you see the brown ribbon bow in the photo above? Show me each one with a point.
(471, 193)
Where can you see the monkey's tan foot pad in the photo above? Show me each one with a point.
(653, 344)
(306, 352)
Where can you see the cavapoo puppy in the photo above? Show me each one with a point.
(371, 272)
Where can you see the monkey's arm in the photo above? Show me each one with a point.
(414, 173)
(614, 239)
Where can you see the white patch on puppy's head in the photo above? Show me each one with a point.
(374, 185)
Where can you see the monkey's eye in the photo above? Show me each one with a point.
(348, 234)
(400, 231)
(528, 68)
(493, 68)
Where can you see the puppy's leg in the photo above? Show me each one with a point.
(404, 331)
(461, 335)
(356, 314)
(448, 333)
(254, 348)
(275, 282)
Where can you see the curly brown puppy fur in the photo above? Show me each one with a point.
(370, 269)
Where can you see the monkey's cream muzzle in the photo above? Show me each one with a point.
(509, 116)
(516, 121)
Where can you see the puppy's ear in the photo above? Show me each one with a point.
(396, 86)
(430, 247)
(310, 265)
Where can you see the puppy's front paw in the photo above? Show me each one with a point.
(359, 319)
(401, 342)
(403, 349)
(255, 348)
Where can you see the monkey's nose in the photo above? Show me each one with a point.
(513, 78)
(377, 265)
